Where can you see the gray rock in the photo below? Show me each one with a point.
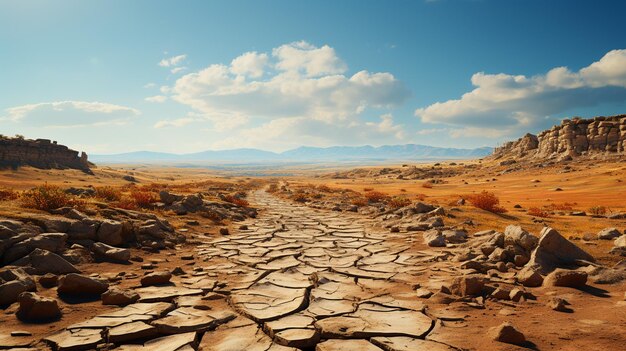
(10, 291)
(455, 236)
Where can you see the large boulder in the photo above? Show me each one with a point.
(455, 236)
(43, 261)
(83, 229)
(554, 251)
(169, 198)
(76, 284)
(111, 253)
(36, 308)
(111, 233)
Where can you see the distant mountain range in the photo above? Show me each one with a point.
(303, 154)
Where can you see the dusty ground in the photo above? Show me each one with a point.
(320, 258)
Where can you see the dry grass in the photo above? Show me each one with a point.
(538, 212)
(597, 210)
(487, 201)
(108, 193)
(236, 201)
(144, 199)
(49, 197)
(398, 202)
(375, 196)
(8, 194)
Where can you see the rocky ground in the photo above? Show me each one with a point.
(294, 277)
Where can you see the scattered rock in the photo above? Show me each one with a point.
(80, 285)
(507, 333)
(567, 278)
(36, 308)
(554, 251)
(156, 278)
(116, 296)
(608, 234)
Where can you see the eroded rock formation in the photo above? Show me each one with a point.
(574, 137)
(40, 153)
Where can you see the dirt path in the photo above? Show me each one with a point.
(299, 278)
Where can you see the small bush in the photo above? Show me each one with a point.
(368, 189)
(236, 201)
(108, 193)
(127, 203)
(48, 197)
(8, 194)
(324, 189)
(359, 201)
(427, 185)
(375, 196)
(486, 201)
(597, 210)
(272, 188)
(143, 198)
(538, 212)
(565, 206)
(398, 202)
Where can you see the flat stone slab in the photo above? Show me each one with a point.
(178, 342)
(131, 331)
(266, 301)
(240, 334)
(187, 319)
(371, 321)
(403, 343)
(9, 341)
(346, 345)
(75, 340)
(164, 293)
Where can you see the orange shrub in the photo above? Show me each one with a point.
(236, 201)
(375, 196)
(565, 206)
(8, 194)
(486, 201)
(324, 189)
(427, 185)
(108, 193)
(359, 201)
(48, 197)
(126, 203)
(155, 187)
(368, 189)
(537, 212)
(143, 198)
(397, 202)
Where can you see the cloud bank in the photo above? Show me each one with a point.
(70, 114)
(298, 87)
(502, 104)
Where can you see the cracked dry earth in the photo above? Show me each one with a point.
(295, 279)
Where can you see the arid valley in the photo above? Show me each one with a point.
(507, 252)
(280, 175)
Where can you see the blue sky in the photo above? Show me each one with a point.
(116, 76)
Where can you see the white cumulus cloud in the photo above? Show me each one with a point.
(172, 61)
(156, 98)
(502, 104)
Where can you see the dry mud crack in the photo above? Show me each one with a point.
(296, 279)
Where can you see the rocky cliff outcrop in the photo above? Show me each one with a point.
(574, 137)
(40, 153)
